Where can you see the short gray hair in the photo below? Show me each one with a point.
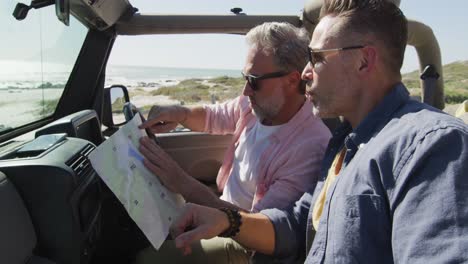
(285, 42)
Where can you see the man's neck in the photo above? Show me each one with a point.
(369, 99)
(288, 111)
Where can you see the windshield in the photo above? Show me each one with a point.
(36, 59)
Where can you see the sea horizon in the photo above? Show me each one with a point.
(31, 75)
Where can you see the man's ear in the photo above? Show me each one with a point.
(294, 80)
(368, 60)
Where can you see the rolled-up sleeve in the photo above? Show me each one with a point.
(290, 228)
(430, 200)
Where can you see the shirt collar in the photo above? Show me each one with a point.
(297, 120)
(378, 117)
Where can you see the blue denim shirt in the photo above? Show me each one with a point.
(401, 196)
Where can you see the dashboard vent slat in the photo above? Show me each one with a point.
(80, 163)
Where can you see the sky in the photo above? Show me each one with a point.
(448, 19)
(40, 29)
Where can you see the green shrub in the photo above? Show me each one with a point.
(196, 91)
(455, 82)
(47, 107)
(228, 81)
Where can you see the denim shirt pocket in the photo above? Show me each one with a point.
(361, 230)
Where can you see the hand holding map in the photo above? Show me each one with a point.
(120, 165)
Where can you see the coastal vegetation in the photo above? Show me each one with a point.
(48, 107)
(193, 91)
(49, 85)
(455, 82)
(197, 91)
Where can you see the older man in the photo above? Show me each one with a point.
(393, 187)
(278, 143)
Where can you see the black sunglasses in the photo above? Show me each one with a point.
(317, 55)
(253, 79)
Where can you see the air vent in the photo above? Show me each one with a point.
(80, 163)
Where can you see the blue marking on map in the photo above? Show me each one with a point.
(133, 153)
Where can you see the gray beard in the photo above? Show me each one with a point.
(262, 117)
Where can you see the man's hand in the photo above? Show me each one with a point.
(197, 222)
(161, 164)
(163, 119)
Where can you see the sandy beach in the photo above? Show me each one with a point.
(21, 106)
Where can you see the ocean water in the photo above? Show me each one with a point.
(134, 75)
(22, 100)
(26, 74)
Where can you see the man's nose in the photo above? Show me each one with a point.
(247, 91)
(308, 72)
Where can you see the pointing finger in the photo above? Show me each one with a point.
(151, 122)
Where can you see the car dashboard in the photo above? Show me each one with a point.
(59, 188)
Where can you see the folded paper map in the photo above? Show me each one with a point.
(120, 165)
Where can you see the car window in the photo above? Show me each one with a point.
(186, 70)
(35, 61)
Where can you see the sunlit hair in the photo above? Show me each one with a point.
(285, 42)
(379, 19)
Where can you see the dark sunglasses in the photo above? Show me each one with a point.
(317, 55)
(253, 79)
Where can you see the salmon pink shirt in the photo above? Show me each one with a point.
(288, 166)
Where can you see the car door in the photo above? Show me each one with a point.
(199, 154)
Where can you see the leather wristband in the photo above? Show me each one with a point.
(235, 221)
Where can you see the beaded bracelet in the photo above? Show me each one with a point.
(235, 221)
